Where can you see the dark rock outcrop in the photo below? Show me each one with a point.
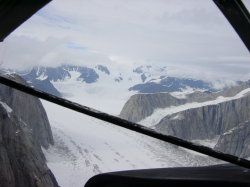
(30, 110)
(207, 121)
(229, 92)
(88, 75)
(200, 97)
(170, 84)
(236, 141)
(61, 73)
(118, 79)
(143, 77)
(103, 69)
(229, 120)
(53, 74)
(24, 128)
(46, 86)
(140, 106)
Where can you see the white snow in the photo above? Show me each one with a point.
(74, 75)
(158, 114)
(42, 77)
(184, 92)
(105, 94)
(157, 81)
(6, 107)
(230, 131)
(85, 147)
(178, 117)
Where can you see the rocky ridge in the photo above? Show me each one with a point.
(169, 84)
(140, 106)
(143, 79)
(24, 129)
(208, 121)
(236, 141)
(229, 119)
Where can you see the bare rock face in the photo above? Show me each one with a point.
(29, 109)
(24, 128)
(207, 121)
(236, 141)
(200, 97)
(200, 123)
(140, 106)
(234, 90)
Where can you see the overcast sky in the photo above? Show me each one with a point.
(191, 35)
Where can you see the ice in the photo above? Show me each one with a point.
(105, 94)
(42, 76)
(85, 146)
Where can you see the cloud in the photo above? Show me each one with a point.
(23, 52)
(190, 34)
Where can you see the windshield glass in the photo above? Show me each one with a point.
(177, 67)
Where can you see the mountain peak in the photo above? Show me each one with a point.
(103, 68)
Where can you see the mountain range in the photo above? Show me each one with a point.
(222, 116)
(143, 79)
(82, 147)
(24, 131)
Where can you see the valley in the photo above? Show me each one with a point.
(84, 147)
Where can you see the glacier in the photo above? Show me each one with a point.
(85, 147)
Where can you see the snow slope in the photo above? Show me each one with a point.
(105, 95)
(85, 147)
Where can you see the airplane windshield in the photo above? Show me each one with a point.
(176, 67)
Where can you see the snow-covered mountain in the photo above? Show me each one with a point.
(85, 146)
(24, 129)
(197, 116)
(143, 79)
(156, 80)
(103, 82)
(141, 106)
(170, 84)
(61, 73)
(42, 77)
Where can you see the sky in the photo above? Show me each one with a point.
(189, 35)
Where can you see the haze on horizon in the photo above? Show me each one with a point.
(189, 36)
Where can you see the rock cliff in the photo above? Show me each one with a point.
(140, 106)
(24, 128)
(236, 141)
(229, 119)
(207, 121)
(29, 109)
